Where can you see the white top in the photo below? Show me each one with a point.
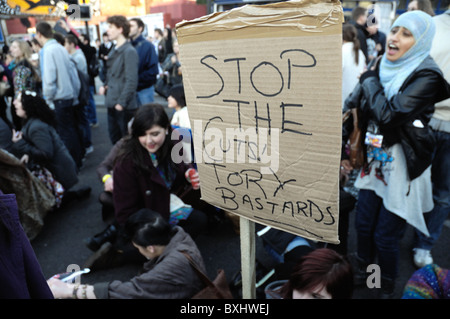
(350, 70)
(181, 118)
(407, 199)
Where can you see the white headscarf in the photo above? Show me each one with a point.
(393, 74)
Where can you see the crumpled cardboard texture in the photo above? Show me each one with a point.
(263, 90)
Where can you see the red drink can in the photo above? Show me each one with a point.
(192, 172)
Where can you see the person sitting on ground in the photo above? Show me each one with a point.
(147, 176)
(321, 274)
(167, 273)
(40, 146)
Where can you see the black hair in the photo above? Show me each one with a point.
(71, 39)
(45, 29)
(36, 107)
(145, 118)
(147, 227)
(177, 92)
(139, 23)
(59, 38)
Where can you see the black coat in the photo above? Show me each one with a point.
(415, 101)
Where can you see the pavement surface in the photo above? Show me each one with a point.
(60, 242)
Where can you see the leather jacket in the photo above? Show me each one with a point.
(414, 103)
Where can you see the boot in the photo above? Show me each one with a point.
(387, 288)
(108, 235)
(360, 272)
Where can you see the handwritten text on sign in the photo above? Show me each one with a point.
(262, 136)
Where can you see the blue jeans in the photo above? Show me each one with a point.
(440, 176)
(378, 232)
(145, 96)
(118, 123)
(91, 111)
(67, 127)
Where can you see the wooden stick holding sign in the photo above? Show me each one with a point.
(263, 91)
(248, 258)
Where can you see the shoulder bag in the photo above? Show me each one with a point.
(356, 148)
(217, 289)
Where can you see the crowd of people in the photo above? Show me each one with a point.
(398, 82)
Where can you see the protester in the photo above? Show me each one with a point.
(423, 5)
(24, 75)
(359, 20)
(103, 52)
(353, 60)
(71, 43)
(440, 170)
(39, 145)
(61, 86)
(166, 275)
(121, 80)
(320, 274)
(146, 176)
(148, 62)
(93, 68)
(396, 101)
(177, 101)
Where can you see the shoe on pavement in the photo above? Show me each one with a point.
(105, 258)
(422, 257)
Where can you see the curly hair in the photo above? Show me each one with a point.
(120, 22)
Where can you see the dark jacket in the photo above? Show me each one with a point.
(20, 273)
(135, 189)
(122, 77)
(148, 62)
(44, 146)
(169, 276)
(362, 35)
(415, 101)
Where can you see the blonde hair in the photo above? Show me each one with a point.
(25, 48)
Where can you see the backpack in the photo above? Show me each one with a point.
(94, 66)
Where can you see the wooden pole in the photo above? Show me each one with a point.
(248, 258)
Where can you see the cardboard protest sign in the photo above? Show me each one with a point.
(263, 90)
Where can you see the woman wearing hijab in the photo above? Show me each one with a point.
(396, 101)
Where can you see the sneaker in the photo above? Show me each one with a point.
(94, 125)
(422, 257)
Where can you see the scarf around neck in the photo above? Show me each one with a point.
(393, 74)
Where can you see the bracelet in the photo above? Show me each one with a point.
(74, 292)
(106, 177)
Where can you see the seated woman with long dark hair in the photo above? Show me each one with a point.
(39, 145)
(146, 176)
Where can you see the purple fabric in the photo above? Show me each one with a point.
(21, 275)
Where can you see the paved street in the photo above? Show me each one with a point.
(60, 243)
